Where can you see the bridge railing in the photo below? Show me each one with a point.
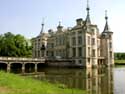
(21, 59)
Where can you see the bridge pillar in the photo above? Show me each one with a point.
(36, 67)
(23, 68)
(8, 67)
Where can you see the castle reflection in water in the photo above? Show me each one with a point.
(95, 81)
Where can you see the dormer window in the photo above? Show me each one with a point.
(93, 41)
(79, 32)
(92, 30)
(110, 45)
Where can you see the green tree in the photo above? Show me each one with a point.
(119, 56)
(14, 45)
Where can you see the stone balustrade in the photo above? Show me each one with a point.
(18, 60)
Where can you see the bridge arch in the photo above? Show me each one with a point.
(30, 67)
(3, 66)
(16, 67)
(40, 66)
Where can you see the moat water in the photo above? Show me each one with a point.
(95, 81)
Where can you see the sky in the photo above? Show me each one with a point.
(25, 16)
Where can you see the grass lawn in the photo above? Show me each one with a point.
(14, 84)
(120, 62)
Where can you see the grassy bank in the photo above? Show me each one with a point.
(119, 62)
(14, 84)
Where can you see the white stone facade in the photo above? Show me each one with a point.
(83, 43)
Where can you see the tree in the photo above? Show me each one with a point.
(14, 45)
(119, 56)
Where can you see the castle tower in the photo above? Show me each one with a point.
(41, 42)
(87, 38)
(107, 43)
(88, 21)
(42, 29)
(59, 27)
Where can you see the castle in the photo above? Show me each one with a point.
(83, 43)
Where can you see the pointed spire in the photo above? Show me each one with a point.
(88, 17)
(59, 27)
(106, 28)
(59, 23)
(87, 5)
(106, 17)
(42, 29)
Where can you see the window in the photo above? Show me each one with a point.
(57, 41)
(98, 43)
(60, 40)
(92, 30)
(52, 53)
(79, 40)
(98, 52)
(63, 40)
(80, 51)
(35, 54)
(73, 41)
(88, 51)
(110, 45)
(57, 53)
(79, 32)
(110, 36)
(73, 52)
(47, 53)
(88, 40)
(62, 53)
(80, 61)
(39, 54)
(110, 54)
(93, 41)
(88, 60)
(93, 53)
(52, 45)
(73, 33)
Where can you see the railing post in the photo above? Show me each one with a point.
(35, 67)
(23, 67)
(8, 67)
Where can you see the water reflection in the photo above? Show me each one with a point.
(95, 81)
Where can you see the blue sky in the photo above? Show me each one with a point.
(25, 16)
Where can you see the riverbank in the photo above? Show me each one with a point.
(119, 62)
(14, 84)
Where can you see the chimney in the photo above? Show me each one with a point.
(79, 21)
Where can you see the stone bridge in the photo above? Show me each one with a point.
(8, 62)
